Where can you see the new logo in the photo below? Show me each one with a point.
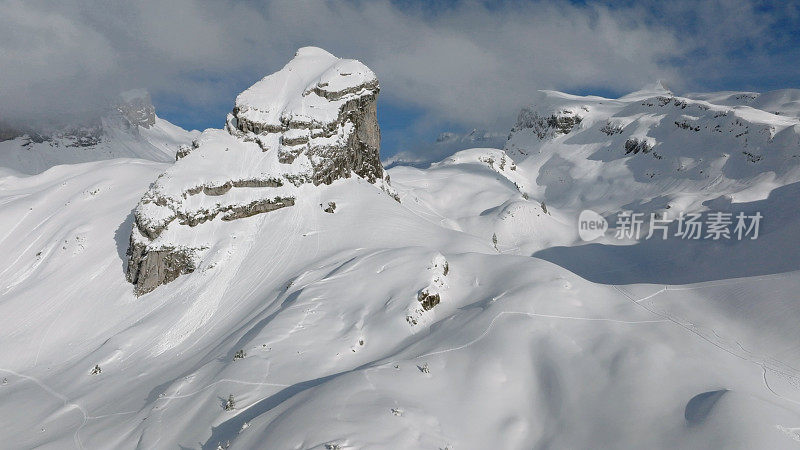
(591, 225)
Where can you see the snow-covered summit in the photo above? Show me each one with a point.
(650, 90)
(305, 106)
(312, 122)
(655, 148)
(781, 102)
(284, 96)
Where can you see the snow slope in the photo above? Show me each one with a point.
(402, 324)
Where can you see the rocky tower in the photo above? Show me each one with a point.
(312, 122)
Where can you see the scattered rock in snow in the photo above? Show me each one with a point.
(431, 295)
(611, 128)
(752, 157)
(635, 146)
(428, 300)
(230, 403)
(183, 150)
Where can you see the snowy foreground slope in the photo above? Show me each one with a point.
(389, 324)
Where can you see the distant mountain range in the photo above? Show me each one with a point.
(128, 128)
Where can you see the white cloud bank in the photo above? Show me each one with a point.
(469, 63)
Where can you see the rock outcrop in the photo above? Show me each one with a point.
(431, 295)
(137, 108)
(320, 106)
(311, 123)
(547, 126)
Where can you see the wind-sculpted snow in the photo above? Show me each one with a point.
(312, 122)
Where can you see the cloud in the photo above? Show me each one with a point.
(467, 63)
(42, 54)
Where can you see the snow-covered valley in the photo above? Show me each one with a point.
(453, 306)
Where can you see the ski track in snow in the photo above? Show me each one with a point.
(272, 268)
(693, 329)
(67, 402)
(530, 314)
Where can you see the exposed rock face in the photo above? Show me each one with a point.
(635, 146)
(137, 108)
(320, 106)
(313, 122)
(156, 267)
(548, 126)
(8, 132)
(431, 295)
(87, 135)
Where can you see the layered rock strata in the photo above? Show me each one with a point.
(312, 122)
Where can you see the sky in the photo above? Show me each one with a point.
(442, 65)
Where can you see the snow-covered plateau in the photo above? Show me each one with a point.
(270, 285)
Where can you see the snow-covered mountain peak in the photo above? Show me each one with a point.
(311, 123)
(136, 106)
(781, 102)
(659, 87)
(316, 102)
(307, 94)
(654, 149)
(127, 127)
